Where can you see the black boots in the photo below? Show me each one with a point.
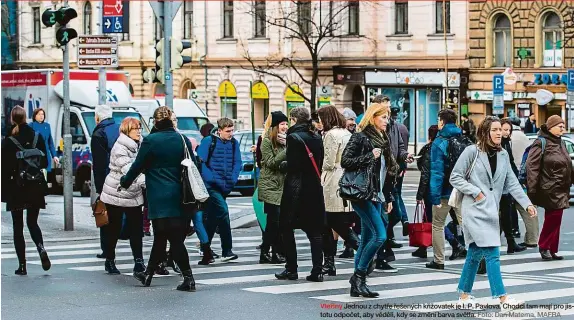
(316, 275)
(161, 269)
(139, 265)
(359, 286)
(264, 257)
(170, 263)
(21, 271)
(277, 258)
(110, 267)
(188, 283)
(421, 252)
(145, 277)
(434, 265)
(513, 246)
(457, 252)
(44, 257)
(348, 253)
(287, 275)
(207, 255)
(329, 266)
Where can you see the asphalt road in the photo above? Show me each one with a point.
(78, 288)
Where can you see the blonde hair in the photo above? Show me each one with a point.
(162, 113)
(128, 124)
(373, 111)
(266, 125)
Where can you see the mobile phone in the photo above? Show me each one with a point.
(417, 157)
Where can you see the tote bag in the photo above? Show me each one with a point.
(420, 231)
(192, 180)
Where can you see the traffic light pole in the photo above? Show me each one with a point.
(167, 29)
(68, 174)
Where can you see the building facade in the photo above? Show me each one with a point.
(397, 48)
(531, 43)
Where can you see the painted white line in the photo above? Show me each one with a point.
(341, 284)
(50, 248)
(510, 257)
(420, 291)
(196, 270)
(537, 266)
(565, 274)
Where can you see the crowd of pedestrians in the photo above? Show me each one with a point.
(330, 174)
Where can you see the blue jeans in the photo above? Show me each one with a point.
(473, 257)
(373, 233)
(199, 227)
(218, 216)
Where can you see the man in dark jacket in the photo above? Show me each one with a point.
(530, 125)
(302, 203)
(104, 137)
(221, 164)
(468, 127)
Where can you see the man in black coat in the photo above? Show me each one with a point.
(302, 204)
(530, 125)
(104, 137)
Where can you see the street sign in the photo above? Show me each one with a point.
(157, 7)
(195, 94)
(498, 94)
(98, 52)
(116, 12)
(570, 78)
(325, 91)
(570, 97)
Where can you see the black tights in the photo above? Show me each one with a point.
(172, 230)
(272, 235)
(134, 226)
(33, 227)
(338, 221)
(290, 247)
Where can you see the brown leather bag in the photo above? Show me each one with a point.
(100, 213)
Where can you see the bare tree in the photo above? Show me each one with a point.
(310, 24)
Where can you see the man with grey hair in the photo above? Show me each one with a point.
(302, 204)
(104, 137)
(350, 116)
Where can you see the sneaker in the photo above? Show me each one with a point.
(469, 303)
(510, 304)
(229, 256)
(434, 265)
(384, 267)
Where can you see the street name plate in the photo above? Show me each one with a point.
(98, 52)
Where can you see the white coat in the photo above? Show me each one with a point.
(334, 142)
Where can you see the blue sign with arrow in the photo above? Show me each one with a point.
(114, 15)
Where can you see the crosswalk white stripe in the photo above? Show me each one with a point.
(507, 257)
(341, 284)
(420, 291)
(66, 246)
(227, 268)
(537, 266)
(565, 274)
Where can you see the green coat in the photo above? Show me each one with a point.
(160, 158)
(271, 178)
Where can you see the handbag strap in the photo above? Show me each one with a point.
(420, 207)
(310, 154)
(186, 154)
(469, 171)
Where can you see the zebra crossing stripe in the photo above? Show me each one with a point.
(421, 291)
(66, 246)
(342, 284)
(565, 274)
(537, 266)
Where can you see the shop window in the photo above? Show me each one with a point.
(502, 39)
(229, 108)
(552, 36)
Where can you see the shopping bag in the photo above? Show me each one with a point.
(258, 208)
(420, 231)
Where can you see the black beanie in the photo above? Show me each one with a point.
(277, 117)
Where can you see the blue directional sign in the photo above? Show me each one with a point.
(498, 94)
(114, 15)
(570, 80)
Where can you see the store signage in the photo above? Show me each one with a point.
(547, 78)
(510, 77)
(544, 97)
(412, 78)
(488, 95)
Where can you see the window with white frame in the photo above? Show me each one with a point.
(304, 16)
(260, 19)
(354, 17)
(87, 18)
(36, 25)
(442, 14)
(228, 19)
(401, 17)
(552, 36)
(187, 19)
(502, 41)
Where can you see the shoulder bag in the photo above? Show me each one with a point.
(193, 188)
(355, 185)
(100, 213)
(455, 199)
(420, 231)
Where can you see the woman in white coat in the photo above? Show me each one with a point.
(335, 139)
(128, 202)
(482, 174)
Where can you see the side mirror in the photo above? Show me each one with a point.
(572, 156)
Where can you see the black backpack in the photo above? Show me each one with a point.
(29, 163)
(456, 146)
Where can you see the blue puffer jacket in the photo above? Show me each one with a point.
(103, 139)
(223, 172)
(438, 189)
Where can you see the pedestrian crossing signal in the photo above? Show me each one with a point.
(62, 16)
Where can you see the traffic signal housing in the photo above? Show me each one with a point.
(177, 59)
(159, 54)
(62, 16)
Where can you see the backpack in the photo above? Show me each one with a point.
(522, 178)
(212, 148)
(456, 146)
(29, 163)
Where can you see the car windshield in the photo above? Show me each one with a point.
(90, 120)
(189, 123)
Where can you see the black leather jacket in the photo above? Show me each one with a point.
(423, 164)
(359, 155)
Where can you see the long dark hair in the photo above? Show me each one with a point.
(331, 117)
(18, 117)
(483, 139)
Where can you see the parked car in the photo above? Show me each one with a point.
(249, 171)
(569, 142)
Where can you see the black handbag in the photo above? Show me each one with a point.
(356, 185)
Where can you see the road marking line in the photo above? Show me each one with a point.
(537, 266)
(565, 274)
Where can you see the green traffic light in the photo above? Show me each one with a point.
(64, 35)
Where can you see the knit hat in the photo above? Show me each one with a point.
(349, 114)
(277, 117)
(553, 121)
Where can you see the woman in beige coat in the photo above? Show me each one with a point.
(335, 139)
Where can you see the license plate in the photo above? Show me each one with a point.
(244, 177)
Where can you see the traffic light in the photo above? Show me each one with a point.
(177, 46)
(159, 51)
(62, 16)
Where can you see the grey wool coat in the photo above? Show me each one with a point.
(480, 220)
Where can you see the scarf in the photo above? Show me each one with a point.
(381, 140)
